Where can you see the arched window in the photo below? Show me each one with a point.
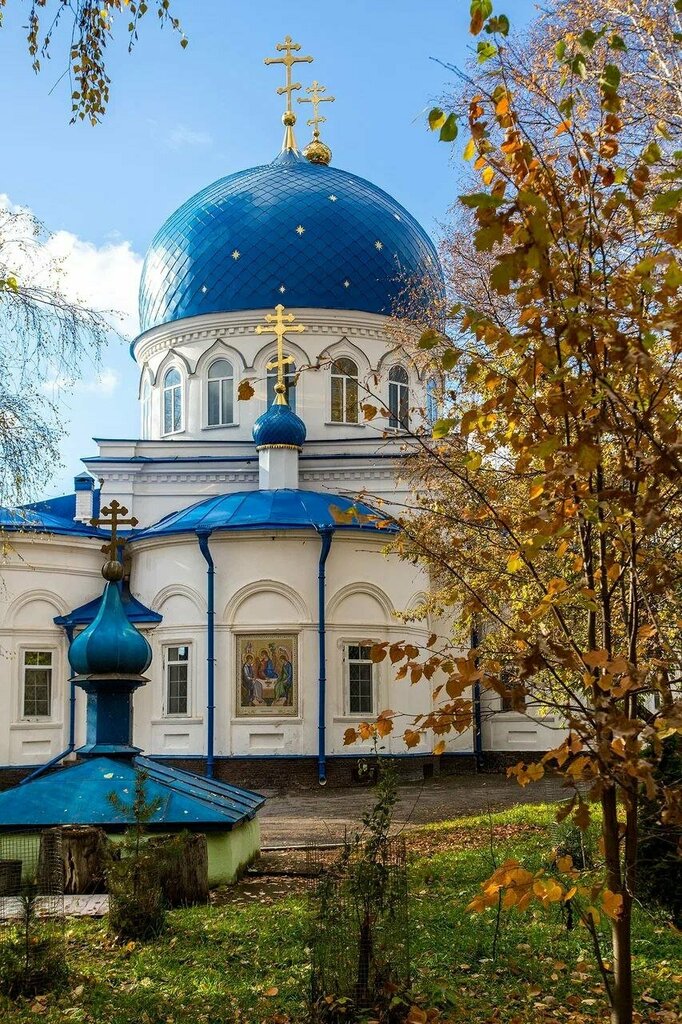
(146, 408)
(172, 401)
(431, 401)
(220, 393)
(344, 382)
(398, 397)
(289, 383)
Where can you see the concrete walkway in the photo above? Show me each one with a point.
(324, 815)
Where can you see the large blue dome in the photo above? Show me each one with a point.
(293, 232)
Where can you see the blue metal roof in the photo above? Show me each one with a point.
(134, 609)
(79, 795)
(111, 643)
(279, 425)
(277, 509)
(290, 231)
(39, 520)
(64, 506)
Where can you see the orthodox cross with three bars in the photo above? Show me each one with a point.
(114, 516)
(289, 48)
(316, 98)
(282, 323)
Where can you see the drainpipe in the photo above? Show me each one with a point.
(41, 769)
(478, 719)
(202, 537)
(326, 535)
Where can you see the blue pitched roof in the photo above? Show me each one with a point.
(27, 519)
(79, 795)
(85, 614)
(64, 506)
(289, 231)
(277, 509)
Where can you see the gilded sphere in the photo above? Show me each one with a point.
(289, 118)
(317, 153)
(112, 571)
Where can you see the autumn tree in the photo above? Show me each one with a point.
(45, 336)
(547, 502)
(84, 28)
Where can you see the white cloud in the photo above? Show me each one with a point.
(105, 383)
(105, 278)
(182, 137)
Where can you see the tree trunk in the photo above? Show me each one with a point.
(620, 992)
(183, 868)
(84, 854)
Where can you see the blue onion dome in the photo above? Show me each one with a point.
(110, 645)
(279, 427)
(291, 231)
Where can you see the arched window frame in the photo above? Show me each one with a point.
(344, 391)
(289, 383)
(172, 401)
(223, 386)
(398, 397)
(146, 407)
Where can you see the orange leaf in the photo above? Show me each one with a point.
(245, 391)
(439, 748)
(612, 902)
(271, 992)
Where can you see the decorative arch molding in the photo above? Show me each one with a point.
(145, 375)
(179, 590)
(169, 360)
(265, 353)
(220, 350)
(398, 355)
(261, 587)
(416, 601)
(366, 589)
(344, 347)
(47, 596)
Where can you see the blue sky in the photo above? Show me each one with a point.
(179, 119)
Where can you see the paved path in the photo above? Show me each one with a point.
(74, 906)
(323, 815)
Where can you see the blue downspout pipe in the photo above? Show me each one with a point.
(202, 537)
(326, 535)
(41, 769)
(478, 720)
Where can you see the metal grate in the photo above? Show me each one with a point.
(359, 922)
(32, 941)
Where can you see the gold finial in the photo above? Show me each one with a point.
(317, 152)
(289, 48)
(114, 516)
(282, 323)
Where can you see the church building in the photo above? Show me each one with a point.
(257, 575)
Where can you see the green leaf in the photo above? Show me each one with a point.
(441, 428)
(588, 39)
(429, 339)
(436, 119)
(499, 25)
(673, 275)
(469, 150)
(560, 49)
(667, 201)
(579, 65)
(488, 236)
(448, 132)
(450, 358)
(610, 78)
(481, 200)
(652, 154)
(485, 51)
(617, 42)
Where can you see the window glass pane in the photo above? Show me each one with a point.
(351, 400)
(398, 374)
(213, 403)
(290, 383)
(172, 378)
(393, 405)
(177, 680)
(37, 684)
(221, 368)
(167, 411)
(431, 400)
(404, 410)
(177, 409)
(360, 680)
(227, 411)
(337, 399)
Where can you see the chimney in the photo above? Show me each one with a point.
(84, 486)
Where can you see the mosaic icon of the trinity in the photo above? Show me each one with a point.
(267, 669)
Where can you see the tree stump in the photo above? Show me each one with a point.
(50, 874)
(84, 855)
(183, 868)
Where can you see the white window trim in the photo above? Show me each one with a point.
(357, 716)
(146, 407)
(165, 713)
(234, 422)
(183, 401)
(55, 666)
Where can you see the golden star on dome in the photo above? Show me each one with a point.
(300, 229)
(236, 254)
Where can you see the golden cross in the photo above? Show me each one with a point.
(282, 323)
(114, 516)
(316, 98)
(289, 48)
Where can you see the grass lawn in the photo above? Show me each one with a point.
(246, 960)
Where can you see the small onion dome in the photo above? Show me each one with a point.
(317, 152)
(110, 645)
(279, 427)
